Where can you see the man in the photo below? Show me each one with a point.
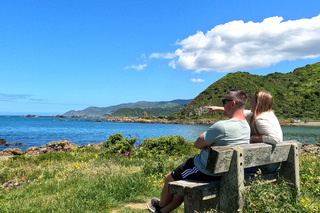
(234, 131)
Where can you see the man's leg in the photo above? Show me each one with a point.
(169, 201)
(175, 203)
(166, 197)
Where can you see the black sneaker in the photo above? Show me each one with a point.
(154, 205)
(155, 202)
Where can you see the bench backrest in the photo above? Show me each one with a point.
(256, 154)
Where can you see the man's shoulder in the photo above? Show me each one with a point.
(232, 120)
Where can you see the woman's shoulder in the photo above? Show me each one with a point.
(267, 115)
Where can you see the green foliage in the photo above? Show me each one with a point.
(310, 173)
(116, 143)
(167, 110)
(83, 181)
(281, 197)
(151, 117)
(169, 145)
(270, 197)
(296, 94)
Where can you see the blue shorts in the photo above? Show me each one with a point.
(188, 171)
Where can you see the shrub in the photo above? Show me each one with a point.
(116, 143)
(169, 145)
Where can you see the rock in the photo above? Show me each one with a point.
(32, 151)
(3, 141)
(11, 152)
(93, 145)
(307, 148)
(58, 146)
(10, 183)
(14, 144)
(31, 116)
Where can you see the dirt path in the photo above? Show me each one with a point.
(142, 206)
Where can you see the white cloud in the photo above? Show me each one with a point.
(237, 45)
(138, 67)
(197, 80)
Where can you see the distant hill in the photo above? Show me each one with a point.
(155, 111)
(100, 111)
(296, 94)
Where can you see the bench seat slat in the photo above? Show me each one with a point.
(199, 190)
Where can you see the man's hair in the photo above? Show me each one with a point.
(239, 96)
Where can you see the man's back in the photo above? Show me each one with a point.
(231, 132)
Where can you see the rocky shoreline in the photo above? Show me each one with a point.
(52, 147)
(66, 146)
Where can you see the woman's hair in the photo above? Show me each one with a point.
(264, 102)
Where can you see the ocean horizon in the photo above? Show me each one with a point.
(37, 131)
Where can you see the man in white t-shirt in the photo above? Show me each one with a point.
(232, 132)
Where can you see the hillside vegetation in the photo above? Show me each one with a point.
(138, 112)
(296, 94)
(103, 111)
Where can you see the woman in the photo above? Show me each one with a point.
(264, 124)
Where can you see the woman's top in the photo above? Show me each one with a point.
(267, 124)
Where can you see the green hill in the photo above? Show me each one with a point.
(157, 111)
(296, 94)
(102, 111)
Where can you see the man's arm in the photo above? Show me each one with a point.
(201, 143)
(214, 108)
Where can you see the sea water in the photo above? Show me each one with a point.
(37, 131)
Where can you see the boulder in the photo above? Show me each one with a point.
(11, 152)
(32, 151)
(3, 141)
(58, 146)
(307, 148)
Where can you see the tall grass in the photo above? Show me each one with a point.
(90, 180)
(281, 197)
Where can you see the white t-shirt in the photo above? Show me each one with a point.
(267, 125)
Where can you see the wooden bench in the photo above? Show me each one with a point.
(227, 195)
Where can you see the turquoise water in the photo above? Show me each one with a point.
(39, 131)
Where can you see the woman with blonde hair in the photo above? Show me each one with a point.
(264, 124)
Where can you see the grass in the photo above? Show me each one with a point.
(86, 181)
(80, 182)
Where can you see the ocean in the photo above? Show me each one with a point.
(37, 131)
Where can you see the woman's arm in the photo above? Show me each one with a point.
(256, 138)
(269, 131)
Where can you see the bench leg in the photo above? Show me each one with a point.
(232, 184)
(290, 169)
(191, 205)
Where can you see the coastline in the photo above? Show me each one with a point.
(162, 121)
(309, 124)
(206, 122)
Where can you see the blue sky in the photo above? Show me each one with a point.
(60, 55)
